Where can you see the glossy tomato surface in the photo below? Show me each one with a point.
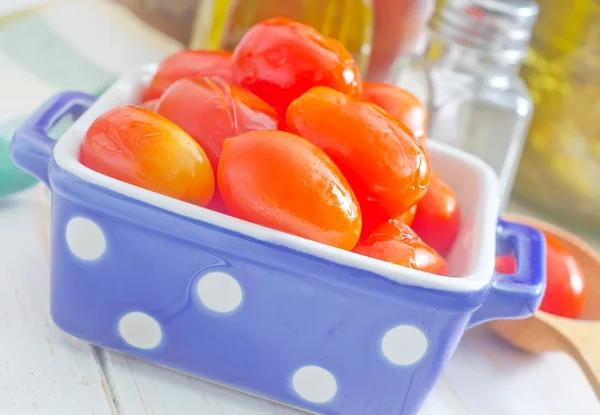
(142, 148)
(279, 59)
(188, 64)
(408, 217)
(211, 110)
(565, 285)
(282, 181)
(437, 220)
(399, 244)
(401, 104)
(383, 162)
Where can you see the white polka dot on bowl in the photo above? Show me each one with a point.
(404, 345)
(140, 330)
(219, 292)
(314, 384)
(85, 239)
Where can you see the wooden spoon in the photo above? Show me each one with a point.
(546, 332)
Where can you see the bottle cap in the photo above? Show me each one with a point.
(499, 28)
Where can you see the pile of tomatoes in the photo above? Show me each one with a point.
(283, 133)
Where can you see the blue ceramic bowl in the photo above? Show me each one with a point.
(259, 310)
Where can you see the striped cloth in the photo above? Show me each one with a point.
(56, 45)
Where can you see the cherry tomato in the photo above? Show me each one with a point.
(399, 244)
(383, 162)
(565, 286)
(142, 148)
(408, 217)
(279, 59)
(401, 104)
(437, 220)
(188, 64)
(506, 264)
(280, 180)
(217, 204)
(211, 110)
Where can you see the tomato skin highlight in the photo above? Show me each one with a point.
(139, 147)
(279, 59)
(381, 159)
(401, 104)
(282, 181)
(437, 220)
(399, 244)
(211, 110)
(188, 64)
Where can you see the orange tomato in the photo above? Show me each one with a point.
(401, 104)
(211, 110)
(188, 64)
(282, 181)
(399, 244)
(383, 162)
(279, 59)
(408, 217)
(437, 220)
(142, 148)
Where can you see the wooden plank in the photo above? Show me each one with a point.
(485, 376)
(41, 369)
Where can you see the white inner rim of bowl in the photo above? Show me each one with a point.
(472, 257)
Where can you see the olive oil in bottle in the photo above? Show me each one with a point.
(560, 167)
(220, 24)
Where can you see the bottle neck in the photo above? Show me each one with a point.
(465, 59)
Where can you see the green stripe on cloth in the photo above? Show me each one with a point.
(12, 179)
(41, 52)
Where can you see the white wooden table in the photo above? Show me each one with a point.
(43, 371)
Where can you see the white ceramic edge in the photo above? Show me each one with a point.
(66, 156)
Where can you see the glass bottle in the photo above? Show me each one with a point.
(220, 24)
(468, 76)
(560, 168)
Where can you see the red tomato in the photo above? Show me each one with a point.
(399, 244)
(385, 165)
(401, 104)
(565, 286)
(408, 217)
(282, 181)
(142, 148)
(188, 64)
(211, 110)
(437, 220)
(217, 204)
(279, 59)
(506, 264)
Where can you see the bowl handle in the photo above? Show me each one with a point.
(517, 295)
(31, 146)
